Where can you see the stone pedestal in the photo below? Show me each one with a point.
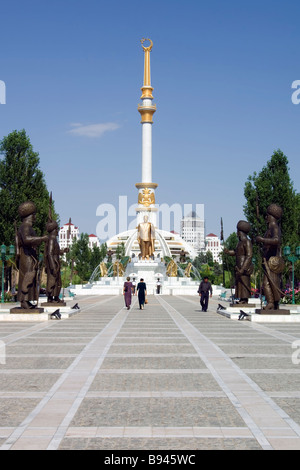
(33, 311)
(241, 305)
(145, 269)
(54, 304)
(272, 312)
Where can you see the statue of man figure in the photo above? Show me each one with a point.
(27, 259)
(52, 263)
(273, 264)
(146, 237)
(244, 266)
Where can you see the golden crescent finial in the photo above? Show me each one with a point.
(149, 47)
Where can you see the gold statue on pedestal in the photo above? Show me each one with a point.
(146, 238)
(172, 269)
(118, 269)
(103, 269)
(187, 271)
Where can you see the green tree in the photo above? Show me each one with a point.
(97, 255)
(203, 258)
(273, 185)
(229, 261)
(103, 249)
(218, 273)
(82, 259)
(21, 180)
(81, 254)
(120, 251)
(207, 270)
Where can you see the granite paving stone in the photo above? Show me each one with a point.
(169, 377)
(153, 382)
(159, 444)
(277, 382)
(27, 382)
(157, 412)
(291, 406)
(13, 411)
(152, 363)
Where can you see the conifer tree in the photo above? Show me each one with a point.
(273, 185)
(20, 180)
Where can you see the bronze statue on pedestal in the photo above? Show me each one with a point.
(53, 265)
(27, 259)
(52, 262)
(273, 263)
(244, 267)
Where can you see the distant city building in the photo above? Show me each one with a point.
(213, 244)
(67, 235)
(192, 231)
(93, 241)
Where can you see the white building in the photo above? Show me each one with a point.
(192, 231)
(213, 244)
(67, 235)
(93, 241)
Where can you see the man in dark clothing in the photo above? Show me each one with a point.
(204, 290)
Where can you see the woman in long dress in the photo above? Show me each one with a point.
(127, 291)
(141, 292)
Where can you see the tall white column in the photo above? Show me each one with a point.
(146, 152)
(146, 198)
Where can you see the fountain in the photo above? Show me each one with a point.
(152, 271)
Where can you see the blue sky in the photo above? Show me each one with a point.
(222, 73)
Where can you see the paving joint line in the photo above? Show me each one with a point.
(24, 333)
(19, 430)
(183, 324)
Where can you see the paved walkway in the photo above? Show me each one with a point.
(168, 377)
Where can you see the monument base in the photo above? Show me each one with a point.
(241, 305)
(21, 310)
(54, 304)
(272, 312)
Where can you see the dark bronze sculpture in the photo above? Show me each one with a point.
(27, 259)
(244, 266)
(273, 264)
(52, 261)
(52, 264)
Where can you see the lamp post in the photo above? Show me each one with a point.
(5, 257)
(292, 259)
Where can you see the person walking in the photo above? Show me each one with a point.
(204, 290)
(141, 292)
(127, 291)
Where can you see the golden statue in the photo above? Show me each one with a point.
(146, 238)
(187, 271)
(103, 269)
(172, 269)
(118, 269)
